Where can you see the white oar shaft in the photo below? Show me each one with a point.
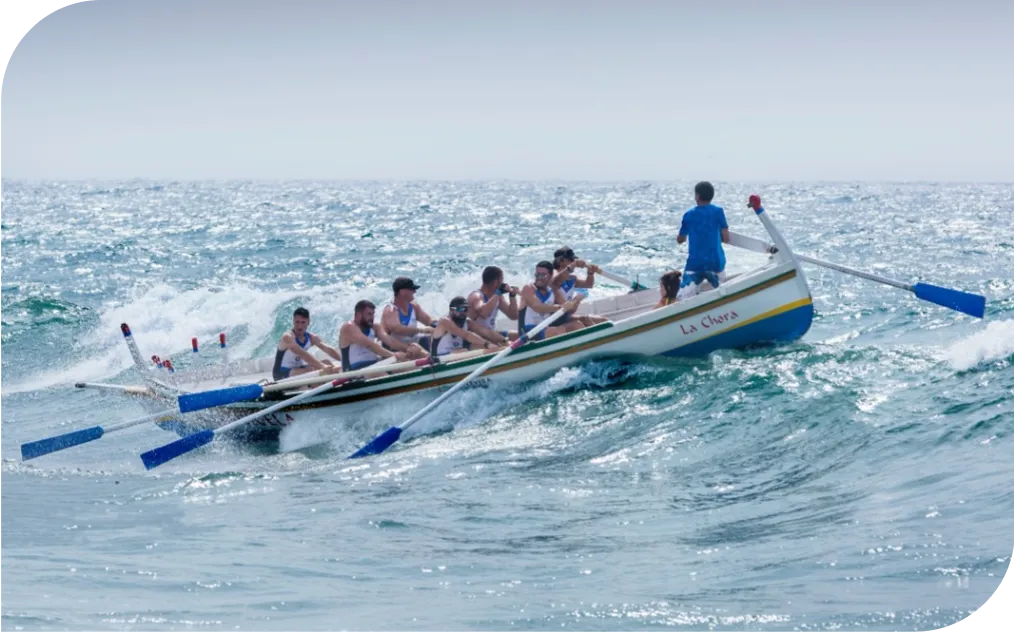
(859, 273)
(165, 415)
(133, 390)
(373, 369)
(280, 405)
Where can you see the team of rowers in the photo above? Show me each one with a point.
(405, 331)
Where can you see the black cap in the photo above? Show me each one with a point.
(566, 252)
(458, 301)
(404, 283)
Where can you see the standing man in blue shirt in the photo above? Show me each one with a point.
(706, 228)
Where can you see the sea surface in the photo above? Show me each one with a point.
(859, 478)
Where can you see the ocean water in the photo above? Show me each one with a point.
(856, 479)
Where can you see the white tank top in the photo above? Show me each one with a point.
(449, 342)
(360, 353)
(292, 361)
(568, 287)
(533, 317)
(406, 321)
(489, 322)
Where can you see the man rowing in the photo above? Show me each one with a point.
(485, 303)
(540, 299)
(565, 262)
(401, 321)
(358, 340)
(293, 357)
(456, 333)
(706, 228)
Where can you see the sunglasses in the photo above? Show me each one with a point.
(462, 309)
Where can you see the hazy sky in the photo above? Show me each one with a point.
(524, 90)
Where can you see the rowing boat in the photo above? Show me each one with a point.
(769, 304)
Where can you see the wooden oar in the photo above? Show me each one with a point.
(964, 302)
(191, 402)
(160, 455)
(387, 438)
(38, 448)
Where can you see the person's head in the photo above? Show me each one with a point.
(563, 257)
(300, 320)
(543, 274)
(458, 310)
(492, 276)
(669, 284)
(365, 311)
(704, 192)
(404, 289)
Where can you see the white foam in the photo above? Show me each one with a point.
(993, 343)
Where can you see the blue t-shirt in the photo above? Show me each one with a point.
(703, 226)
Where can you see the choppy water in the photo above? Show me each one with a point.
(859, 478)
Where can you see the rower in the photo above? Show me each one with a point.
(456, 333)
(706, 228)
(564, 264)
(540, 300)
(485, 303)
(401, 320)
(358, 337)
(292, 356)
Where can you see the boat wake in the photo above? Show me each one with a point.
(348, 430)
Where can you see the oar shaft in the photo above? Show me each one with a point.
(859, 273)
(634, 285)
(283, 404)
(164, 415)
(133, 390)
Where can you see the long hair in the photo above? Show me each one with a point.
(670, 282)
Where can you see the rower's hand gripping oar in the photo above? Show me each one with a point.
(387, 438)
(964, 302)
(34, 449)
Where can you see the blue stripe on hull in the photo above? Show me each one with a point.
(784, 327)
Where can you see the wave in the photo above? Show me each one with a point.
(994, 343)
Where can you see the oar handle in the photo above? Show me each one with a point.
(521, 341)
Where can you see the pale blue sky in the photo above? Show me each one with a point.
(522, 90)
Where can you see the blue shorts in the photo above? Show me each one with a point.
(697, 278)
(541, 336)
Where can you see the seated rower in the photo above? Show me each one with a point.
(292, 356)
(668, 288)
(564, 264)
(401, 321)
(540, 300)
(456, 333)
(485, 303)
(358, 337)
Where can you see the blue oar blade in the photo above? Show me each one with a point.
(168, 452)
(60, 442)
(382, 442)
(219, 397)
(964, 302)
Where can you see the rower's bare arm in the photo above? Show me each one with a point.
(486, 333)
(511, 309)
(326, 348)
(725, 235)
(534, 304)
(306, 356)
(483, 307)
(452, 328)
(424, 319)
(355, 335)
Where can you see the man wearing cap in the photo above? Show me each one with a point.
(565, 262)
(706, 228)
(402, 320)
(456, 332)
